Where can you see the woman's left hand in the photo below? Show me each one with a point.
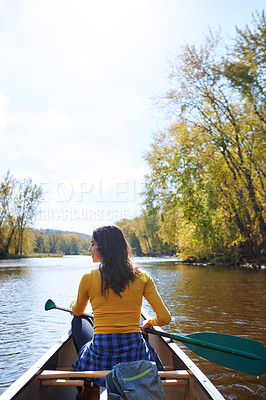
(71, 313)
(144, 326)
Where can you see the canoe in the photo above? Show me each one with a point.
(50, 377)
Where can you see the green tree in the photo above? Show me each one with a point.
(26, 202)
(207, 172)
(75, 243)
(70, 243)
(143, 234)
(135, 244)
(84, 244)
(53, 243)
(18, 205)
(6, 193)
(40, 242)
(246, 67)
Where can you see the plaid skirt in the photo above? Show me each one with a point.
(109, 349)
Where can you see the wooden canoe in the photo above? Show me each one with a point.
(48, 378)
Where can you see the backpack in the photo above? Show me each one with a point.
(136, 380)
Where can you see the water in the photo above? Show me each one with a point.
(219, 299)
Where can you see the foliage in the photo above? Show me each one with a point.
(19, 201)
(58, 242)
(207, 171)
(143, 235)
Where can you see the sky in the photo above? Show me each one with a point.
(78, 83)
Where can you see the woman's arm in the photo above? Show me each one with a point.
(162, 317)
(78, 306)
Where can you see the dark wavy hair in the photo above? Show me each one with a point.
(116, 268)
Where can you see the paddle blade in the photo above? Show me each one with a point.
(49, 305)
(236, 352)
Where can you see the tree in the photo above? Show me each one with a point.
(207, 172)
(53, 243)
(26, 202)
(40, 242)
(18, 205)
(70, 243)
(6, 193)
(143, 234)
(135, 245)
(246, 68)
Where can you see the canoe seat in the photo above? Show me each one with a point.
(65, 378)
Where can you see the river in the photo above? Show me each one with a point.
(219, 299)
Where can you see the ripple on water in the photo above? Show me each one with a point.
(199, 299)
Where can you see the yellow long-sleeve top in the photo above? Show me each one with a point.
(119, 314)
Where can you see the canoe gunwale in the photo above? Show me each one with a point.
(192, 368)
(30, 375)
(36, 368)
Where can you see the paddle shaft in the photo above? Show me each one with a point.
(244, 355)
(200, 343)
(70, 311)
(50, 305)
(188, 340)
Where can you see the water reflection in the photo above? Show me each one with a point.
(219, 299)
(11, 272)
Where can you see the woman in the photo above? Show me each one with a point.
(115, 291)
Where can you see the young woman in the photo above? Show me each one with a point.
(115, 291)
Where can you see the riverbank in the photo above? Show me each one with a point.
(240, 261)
(30, 255)
(243, 263)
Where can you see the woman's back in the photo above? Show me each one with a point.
(115, 291)
(113, 313)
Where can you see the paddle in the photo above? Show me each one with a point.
(50, 304)
(234, 352)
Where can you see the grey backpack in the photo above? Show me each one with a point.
(136, 380)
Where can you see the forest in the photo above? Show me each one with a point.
(204, 196)
(205, 191)
(19, 201)
(50, 241)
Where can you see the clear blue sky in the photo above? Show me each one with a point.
(77, 79)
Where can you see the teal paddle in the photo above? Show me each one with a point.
(50, 304)
(235, 352)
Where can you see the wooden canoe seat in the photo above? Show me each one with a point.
(65, 378)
